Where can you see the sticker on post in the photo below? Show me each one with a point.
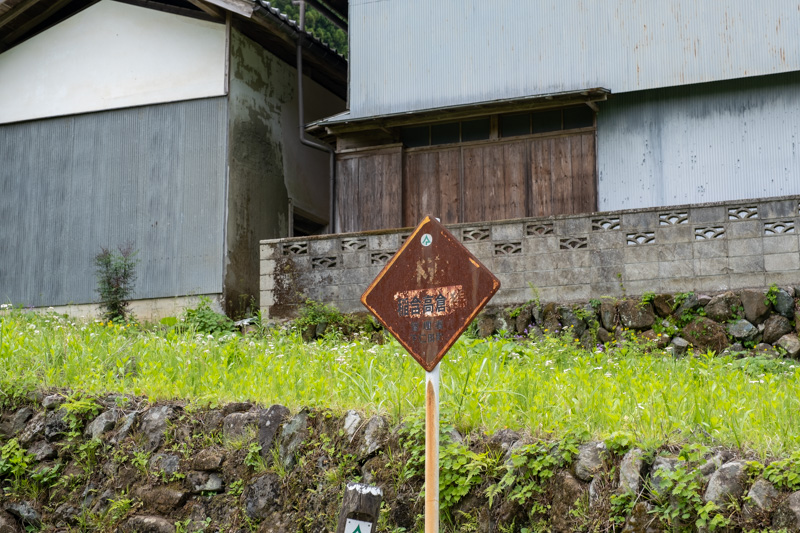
(357, 526)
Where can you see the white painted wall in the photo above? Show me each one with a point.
(111, 56)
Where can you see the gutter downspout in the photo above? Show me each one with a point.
(301, 119)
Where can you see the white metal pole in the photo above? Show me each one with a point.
(432, 451)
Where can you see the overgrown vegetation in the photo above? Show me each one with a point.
(552, 387)
(316, 24)
(116, 276)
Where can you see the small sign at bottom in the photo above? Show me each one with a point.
(357, 526)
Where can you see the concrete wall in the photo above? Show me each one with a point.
(704, 143)
(110, 56)
(707, 247)
(267, 164)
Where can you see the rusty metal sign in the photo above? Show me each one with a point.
(429, 292)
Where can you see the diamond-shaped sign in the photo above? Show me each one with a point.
(429, 292)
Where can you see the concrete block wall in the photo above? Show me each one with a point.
(703, 248)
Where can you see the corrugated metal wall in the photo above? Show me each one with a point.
(714, 142)
(408, 55)
(153, 176)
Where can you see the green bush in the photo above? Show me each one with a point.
(203, 319)
(116, 275)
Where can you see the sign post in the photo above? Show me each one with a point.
(426, 296)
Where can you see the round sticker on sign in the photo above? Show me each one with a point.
(426, 239)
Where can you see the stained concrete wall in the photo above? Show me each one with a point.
(267, 164)
(707, 247)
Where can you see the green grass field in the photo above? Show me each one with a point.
(547, 388)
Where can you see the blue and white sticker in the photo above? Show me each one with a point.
(357, 526)
(426, 239)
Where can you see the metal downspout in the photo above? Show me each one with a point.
(301, 115)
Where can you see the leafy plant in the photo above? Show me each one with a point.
(771, 297)
(116, 275)
(14, 461)
(203, 319)
(784, 474)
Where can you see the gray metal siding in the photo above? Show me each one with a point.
(153, 176)
(706, 143)
(408, 55)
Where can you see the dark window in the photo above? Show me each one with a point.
(416, 136)
(514, 125)
(445, 133)
(546, 121)
(578, 117)
(476, 130)
(303, 226)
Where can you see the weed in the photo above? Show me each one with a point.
(785, 474)
(203, 319)
(116, 275)
(253, 458)
(140, 461)
(771, 297)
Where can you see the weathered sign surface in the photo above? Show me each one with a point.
(429, 292)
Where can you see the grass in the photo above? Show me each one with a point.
(549, 388)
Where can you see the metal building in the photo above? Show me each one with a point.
(478, 110)
(168, 125)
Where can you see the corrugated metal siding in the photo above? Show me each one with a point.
(408, 55)
(153, 176)
(706, 143)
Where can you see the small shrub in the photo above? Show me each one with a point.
(116, 275)
(771, 298)
(203, 319)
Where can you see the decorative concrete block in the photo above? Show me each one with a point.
(744, 229)
(641, 271)
(508, 232)
(781, 244)
(741, 247)
(673, 234)
(746, 264)
(781, 262)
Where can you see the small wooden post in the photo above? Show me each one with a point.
(432, 451)
(361, 507)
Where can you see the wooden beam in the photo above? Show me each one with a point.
(17, 10)
(35, 21)
(211, 10)
(240, 7)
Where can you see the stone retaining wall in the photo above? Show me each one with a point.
(704, 248)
